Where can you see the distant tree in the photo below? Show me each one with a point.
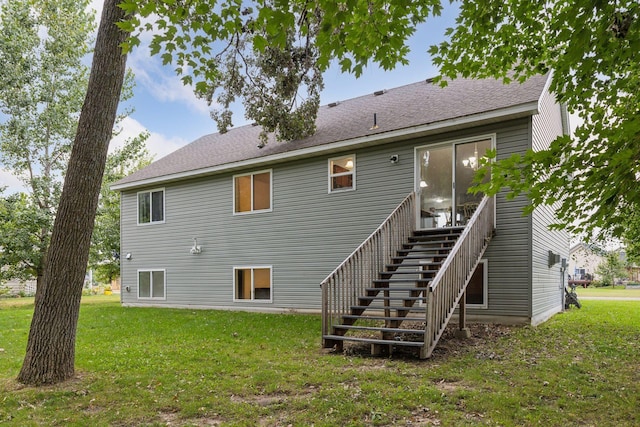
(631, 238)
(42, 85)
(105, 241)
(21, 245)
(592, 51)
(611, 269)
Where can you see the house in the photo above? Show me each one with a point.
(375, 203)
(18, 287)
(584, 260)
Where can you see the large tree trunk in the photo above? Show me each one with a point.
(51, 346)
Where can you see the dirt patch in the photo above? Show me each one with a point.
(171, 419)
(482, 335)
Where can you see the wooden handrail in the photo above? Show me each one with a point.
(449, 284)
(341, 288)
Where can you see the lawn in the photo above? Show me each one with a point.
(608, 292)
(157, 367)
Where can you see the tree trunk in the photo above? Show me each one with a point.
(50, 353)
(39, 284)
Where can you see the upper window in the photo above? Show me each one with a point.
(342, 173)
(252, 192)
(151, 206)
(151, 284)
(252, 284)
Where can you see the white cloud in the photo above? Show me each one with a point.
(97, 6)
(158, 145)
(162, 83)
(13, 184)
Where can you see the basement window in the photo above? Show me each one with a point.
(252, 284)
(151, 284)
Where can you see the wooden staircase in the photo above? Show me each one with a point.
(409, 298)
(399, 294)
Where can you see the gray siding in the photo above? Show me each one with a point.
(309, 232)
(547, 286)
(508, 253)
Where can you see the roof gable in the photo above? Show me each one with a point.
(399, 112)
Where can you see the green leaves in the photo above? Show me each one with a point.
(591, 178)
(271, 53)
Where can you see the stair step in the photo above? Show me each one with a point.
(414, 264)
(421, 272)
(442, 253)
(355, 317)
(398, 289)
(429, 238)
(374, 341)
(381, 329)
(389, 298)
(430, 243)
(415, 309)
(444, 230)
(401, 280)
(436, 251)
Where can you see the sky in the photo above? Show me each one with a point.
(173, 115)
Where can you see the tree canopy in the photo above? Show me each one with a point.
(270, 54)
(592, 50)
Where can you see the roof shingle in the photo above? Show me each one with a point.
(416, 104)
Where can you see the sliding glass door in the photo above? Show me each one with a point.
(444, 175)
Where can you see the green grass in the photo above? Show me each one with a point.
(156, 367)
(608, 291)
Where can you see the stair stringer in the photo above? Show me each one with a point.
(428, 350)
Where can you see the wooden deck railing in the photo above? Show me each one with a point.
(341, 289)
(450, 282)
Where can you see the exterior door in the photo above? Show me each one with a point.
(444, 175)
(434, 190)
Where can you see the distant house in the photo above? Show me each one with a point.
(584, 260)
(17, 287)
(374, 206)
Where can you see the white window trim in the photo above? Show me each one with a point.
(253, 300)
(164, 285)
(252, 211)
(332, 175)
(485, 288)
(164, 206)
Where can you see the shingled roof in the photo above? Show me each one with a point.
(406, 111)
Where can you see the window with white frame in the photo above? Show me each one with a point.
(252, 192)
(252, 284)
(342, 173)
(151, 206)
(151, 284)
(476, 293)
